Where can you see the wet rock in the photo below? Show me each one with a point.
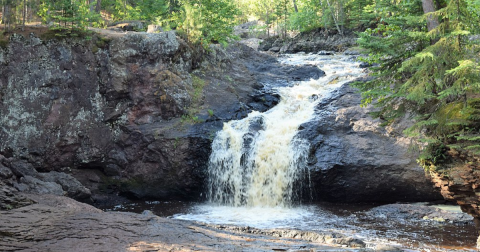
(305, 72)
(10, 198)
(34, 185)
(267, 70)
(313, 41)
(61, 224)
(365, 65)
(387, 248)
(417, 213)
(72, 187)
(274, 49)
(5, 172)
(325, 53)
(22, 168)
(331, 238)
(354, 159)
(459, 184)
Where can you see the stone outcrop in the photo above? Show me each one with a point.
(353, 158)
(459, 181)
(21, 176)
(315, 41)
(133, 113)
(57, 223)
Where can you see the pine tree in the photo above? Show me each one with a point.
(432, 70)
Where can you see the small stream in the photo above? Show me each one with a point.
(256, 164)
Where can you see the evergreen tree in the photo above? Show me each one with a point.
(431, 70)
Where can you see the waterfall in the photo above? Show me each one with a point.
(257, 161)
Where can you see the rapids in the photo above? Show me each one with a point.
(256, 161)
(257, 164)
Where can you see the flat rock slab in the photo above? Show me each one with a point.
(57, 223)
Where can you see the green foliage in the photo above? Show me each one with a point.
(197, 94)
(435, 72)
(75, 14)
(433, 155)
(207, 21)
(304, 20)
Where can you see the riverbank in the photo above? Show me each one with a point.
(134, 115)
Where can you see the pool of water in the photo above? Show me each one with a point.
(350, 219)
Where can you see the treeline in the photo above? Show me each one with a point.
(203, 20)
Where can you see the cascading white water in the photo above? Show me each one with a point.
(256, 161)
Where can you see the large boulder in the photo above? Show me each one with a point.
(354, 159)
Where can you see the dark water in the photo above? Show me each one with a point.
(349, 219)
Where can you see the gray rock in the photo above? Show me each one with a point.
(354, 159)
(10, 198)
(128, 26)
(315, 41)
(22, 168)
(69, 184)
(387, 248)
(112, 170)
(416, 213)
(365, 65)
(34, 185)
(325, 53)
(62, 224)
(274, 49)
(5, 172)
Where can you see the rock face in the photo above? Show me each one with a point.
(353, 158)
(458, 182)
(316, 41)
(132, 113)
(70, 104)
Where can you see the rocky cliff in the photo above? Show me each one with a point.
(123, 112)
(353, 158)
(114, 105)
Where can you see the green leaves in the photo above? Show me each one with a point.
(74, 14)
(208, 21)
(437, 72)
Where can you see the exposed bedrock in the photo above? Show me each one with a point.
(317, 41)
(354, 159)
(133, 113)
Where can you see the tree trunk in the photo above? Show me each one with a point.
(335, 20)
(24, 13)
(324, 20)
(6, 17)
(432, 21)
(98, 8)
(295, 6)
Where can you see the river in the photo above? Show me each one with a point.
(257, 162)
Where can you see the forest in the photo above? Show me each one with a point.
(424, 54)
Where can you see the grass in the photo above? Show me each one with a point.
(197, 94)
